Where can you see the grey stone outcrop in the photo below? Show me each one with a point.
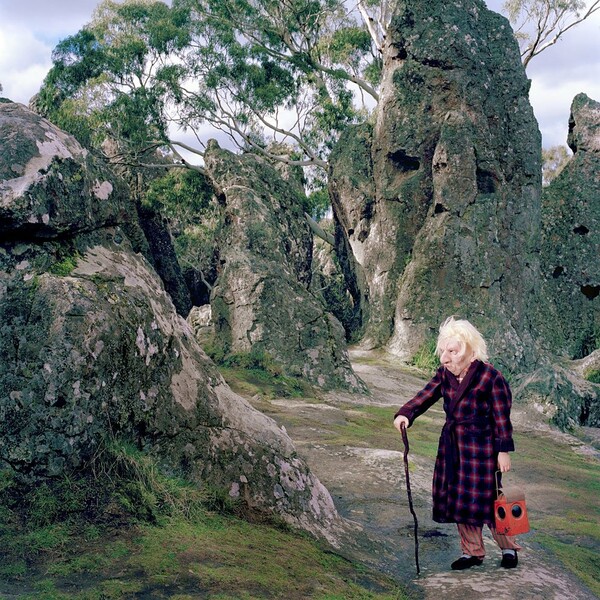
(91, 345)
(567, 319)
(571, 240)
(261, 299)
(440, 201)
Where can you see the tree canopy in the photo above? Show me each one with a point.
(295, 71)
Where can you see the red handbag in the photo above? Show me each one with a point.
(510, 511)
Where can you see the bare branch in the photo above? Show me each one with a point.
(368, 20)
(319, 231)
(550, 20)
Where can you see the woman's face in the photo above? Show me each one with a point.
(456, 357)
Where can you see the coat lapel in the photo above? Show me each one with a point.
(464, 385)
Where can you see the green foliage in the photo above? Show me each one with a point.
(186, 198)
(66, 266)
(347, 44)
(100, 84)
(319, 204)
(374, 72)
(426, 357)
(593, 375)
(231, 64)
(182, 195)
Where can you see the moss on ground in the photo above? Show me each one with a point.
(156, 536)
(214, 556)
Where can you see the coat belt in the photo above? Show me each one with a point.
(451, 443)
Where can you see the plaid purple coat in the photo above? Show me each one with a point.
(477, 428)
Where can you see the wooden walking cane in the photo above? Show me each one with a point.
(410, 501)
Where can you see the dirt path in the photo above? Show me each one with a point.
(367, 484)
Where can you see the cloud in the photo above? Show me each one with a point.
(29, 31)
(56, 19)
(24, 62)
(551, 99)
(561, 72)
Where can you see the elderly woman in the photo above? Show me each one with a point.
(475, 440)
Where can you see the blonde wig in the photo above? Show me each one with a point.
(466, 334)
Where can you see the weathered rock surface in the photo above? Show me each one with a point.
(561, 392)
(261, 298)
(68, 193)
(568, 312)
(91, 345)
(571, 240)
(440, 203)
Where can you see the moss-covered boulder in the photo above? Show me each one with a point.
(50, 186)
(440, 204)
(261, 300)
(567, 316)
(571, 241)
(92, 349)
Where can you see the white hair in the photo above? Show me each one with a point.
(467, 336)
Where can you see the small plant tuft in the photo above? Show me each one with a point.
(261, 369)
(426, 358)
(593, 375)
(66, 266)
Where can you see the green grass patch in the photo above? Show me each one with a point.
(426, 359)
(242, 560)
(152, 535)
(372, 426)
(575, 472)
(574, 524)
(582, 560)
(217, 556)
(572, 534)
(593, 375)
(257, 372)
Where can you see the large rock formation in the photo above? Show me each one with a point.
(571, 240)
(568, 316)
(91, 346)
(261, 298)
(440, 201)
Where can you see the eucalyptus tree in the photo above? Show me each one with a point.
(292, 71)
(539, 24)
(115, 77)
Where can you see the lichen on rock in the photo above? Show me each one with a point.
(450, 221)
(91, 347)
(261, 299)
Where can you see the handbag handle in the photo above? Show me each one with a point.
(498, 471)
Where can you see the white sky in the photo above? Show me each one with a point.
(29, 30)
